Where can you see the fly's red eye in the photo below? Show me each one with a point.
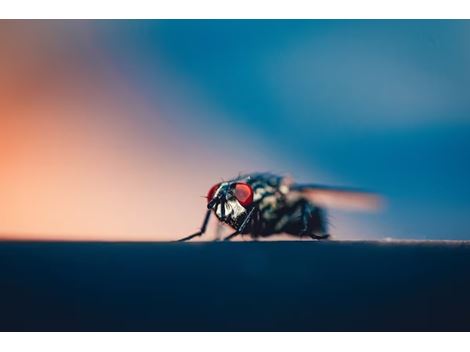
(212, 191)
(244, 194)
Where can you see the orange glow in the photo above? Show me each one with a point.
(74, 165)
(77, 161)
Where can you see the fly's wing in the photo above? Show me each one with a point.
(339, 197)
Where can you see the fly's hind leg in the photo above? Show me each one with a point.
(313, 222)
(323, 236)
(305, 215)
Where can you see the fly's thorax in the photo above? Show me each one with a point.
(269, 205)
(293, 197)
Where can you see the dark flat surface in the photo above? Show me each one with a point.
(264, 286)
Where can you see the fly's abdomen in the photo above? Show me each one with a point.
(301, 219)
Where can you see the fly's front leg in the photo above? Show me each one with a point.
(201, 231)
(242, 226)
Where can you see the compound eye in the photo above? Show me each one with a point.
(212, 191)
(244, 194)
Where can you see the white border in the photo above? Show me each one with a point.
(232, 9)
(234, 342)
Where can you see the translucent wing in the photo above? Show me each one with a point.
(339, 197)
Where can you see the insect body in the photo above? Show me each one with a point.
(263, 204)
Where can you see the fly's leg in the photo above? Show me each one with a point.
(242, 226)
(308, 215)
(229, 237)
(201, 231)
(256, 226)
(305, 215)
(322, 235)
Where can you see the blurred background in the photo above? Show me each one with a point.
(115, 130)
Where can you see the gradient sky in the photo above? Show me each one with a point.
(113, 130)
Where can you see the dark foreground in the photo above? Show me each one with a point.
(264, 286)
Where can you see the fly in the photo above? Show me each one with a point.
(264, 204)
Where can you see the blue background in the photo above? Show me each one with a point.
(381, 104)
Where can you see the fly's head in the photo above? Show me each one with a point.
(230, 200)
